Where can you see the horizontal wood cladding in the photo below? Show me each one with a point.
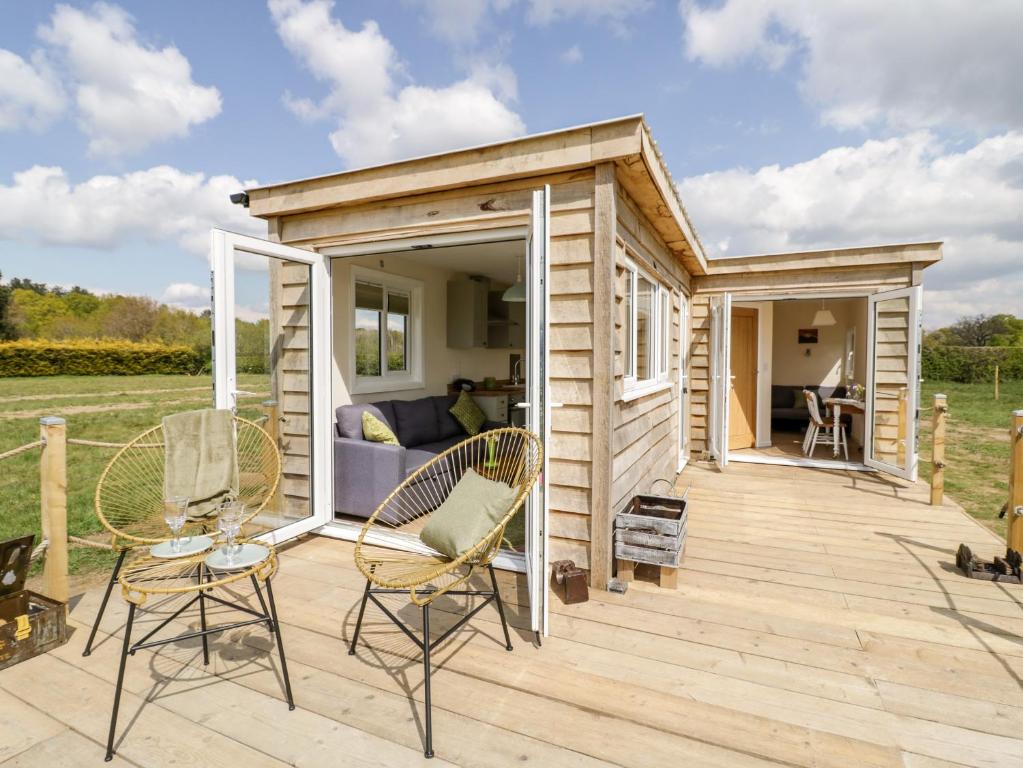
(493, 205)
(645, 438)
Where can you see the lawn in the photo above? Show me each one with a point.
(107, 408)
(976, 445)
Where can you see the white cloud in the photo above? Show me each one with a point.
(30, 94)
(908, 188)
(128, 94)
(378, 119)
(159, 204)
(907, 64)
(572, 55)
(460, 21)
(188, 296)
(613, 12)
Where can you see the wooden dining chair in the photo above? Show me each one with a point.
(820, 430)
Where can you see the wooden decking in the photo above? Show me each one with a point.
(818, 622)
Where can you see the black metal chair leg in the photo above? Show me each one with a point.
(120, 681)
(103, 605)
(202, 617)
(500, 607)
(358, 623)
(280, 644)
(428, 752)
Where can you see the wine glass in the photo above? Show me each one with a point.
(175, 513)
(229, 523)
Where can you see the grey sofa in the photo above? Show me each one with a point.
(788, 408)
(366, 472)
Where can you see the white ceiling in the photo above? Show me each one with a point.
(499, 261)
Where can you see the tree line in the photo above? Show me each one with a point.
(33, 310)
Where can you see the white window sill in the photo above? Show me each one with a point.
(645, 389)
(372, 386)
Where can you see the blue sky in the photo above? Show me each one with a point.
(787, 124)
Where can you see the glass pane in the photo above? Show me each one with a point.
(272, 335)
(397, 331)
(367, 342)
(644, 327)
(891, 365)
(369, 296)
(627, 329)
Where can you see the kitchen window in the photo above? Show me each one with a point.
(386, 337)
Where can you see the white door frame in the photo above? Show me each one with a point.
(915, 295)
(721, 373)
(223, 246)
(683, 380)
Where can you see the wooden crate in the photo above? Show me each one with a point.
(651, 530)
(30, 623)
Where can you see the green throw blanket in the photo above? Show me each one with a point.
(201, 459)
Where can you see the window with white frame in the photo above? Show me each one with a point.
(386, 331)
(646, 325)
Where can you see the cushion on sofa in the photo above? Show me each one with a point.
(468, 413)
(447, 425)
(374, 430)
(416, 421)
(349, 418)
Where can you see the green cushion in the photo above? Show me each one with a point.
(376, 431)
(468, 414)
(472, 509)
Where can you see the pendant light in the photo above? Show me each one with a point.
(517, 292)
(823, 316)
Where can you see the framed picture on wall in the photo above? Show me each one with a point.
(807, 335)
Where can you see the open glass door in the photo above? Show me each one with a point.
(683, 380)
(720, 378)
(538, 422)
(893, 349)
(271, 348)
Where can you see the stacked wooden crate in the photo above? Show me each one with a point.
(651, 530)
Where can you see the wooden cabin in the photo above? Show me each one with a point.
(631, 354)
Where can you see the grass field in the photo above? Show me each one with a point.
(107, 408)
(976, 445)
(115, 408)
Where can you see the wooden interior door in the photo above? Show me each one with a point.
(742, 399)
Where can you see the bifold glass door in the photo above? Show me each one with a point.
(270, 353)
(893, 351)
(538, 408)
(720, 375)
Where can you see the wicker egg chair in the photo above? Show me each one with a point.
(509, 455)
(129, 495)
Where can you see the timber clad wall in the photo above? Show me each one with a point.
(289, 379)
(891, 380)
(508, 204)
(645, 440)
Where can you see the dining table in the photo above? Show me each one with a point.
(836, 404)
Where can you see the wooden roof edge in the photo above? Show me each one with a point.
(535, 154)
(662, 179)
(925, 253)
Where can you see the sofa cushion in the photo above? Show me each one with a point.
(447, 425)
(472, 509)
(416, 421)
(374, 430)
(781, 396)
(468, 413)
(349, 418)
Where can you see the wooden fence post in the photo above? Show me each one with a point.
(938, 450)
(902, 429)
(996, 384)
(1014, 534)
(53, 495)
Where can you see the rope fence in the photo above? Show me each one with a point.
(55, 540)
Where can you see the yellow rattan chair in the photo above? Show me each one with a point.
(509, 455)
(129, 495)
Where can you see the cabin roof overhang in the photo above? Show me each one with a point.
(625, 141)
(921, 255)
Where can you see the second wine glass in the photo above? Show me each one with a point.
(229, 523)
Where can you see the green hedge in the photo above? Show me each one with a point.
(90, 357)
(971, 365)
